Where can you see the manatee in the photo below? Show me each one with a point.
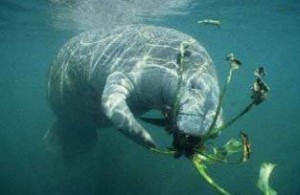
(102, 79)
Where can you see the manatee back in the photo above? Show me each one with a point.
(78, 74)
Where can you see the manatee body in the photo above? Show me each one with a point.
(110, 79)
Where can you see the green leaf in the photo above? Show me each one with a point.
(263, 180)
(202, 170)
(222, 154)
(233, 146)
(234, 62)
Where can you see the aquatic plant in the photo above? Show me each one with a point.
(200, 150)
(210, 21)
(263, 181)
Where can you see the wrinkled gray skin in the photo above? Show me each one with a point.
(103, 79)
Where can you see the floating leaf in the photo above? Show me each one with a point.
(233, 146)
(246, 147)
(234, 62)
(222, 154)
(260, 88)
(202, 170)
(260, 72)
(263, 180)
(210, 21)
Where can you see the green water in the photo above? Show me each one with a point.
(258, 32)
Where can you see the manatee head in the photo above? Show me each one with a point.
(198, 99)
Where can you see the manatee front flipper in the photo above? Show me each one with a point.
(119, 89)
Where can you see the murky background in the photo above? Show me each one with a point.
(258, 32)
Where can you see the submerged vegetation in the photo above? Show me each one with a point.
(213, 22)
(263, 181)
(201, 150)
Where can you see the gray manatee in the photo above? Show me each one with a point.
(112, 78)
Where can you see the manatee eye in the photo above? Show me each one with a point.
(187, 53)
(196, 84)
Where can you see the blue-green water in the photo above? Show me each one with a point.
(258, 32)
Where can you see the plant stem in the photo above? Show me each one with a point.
(164, 152)
(230, 122)
(211, 128)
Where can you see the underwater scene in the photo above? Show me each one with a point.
(156, 97)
